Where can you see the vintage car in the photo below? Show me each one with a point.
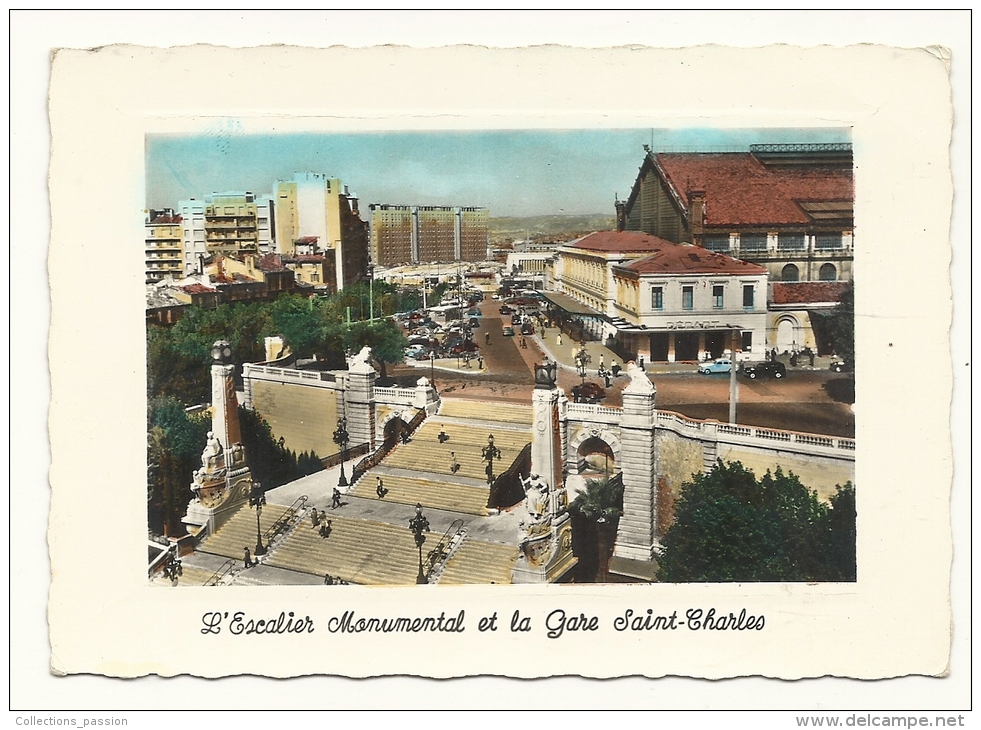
(722, 365)
(508, 332)
(775, 369)
(841, 366)
(588, 393)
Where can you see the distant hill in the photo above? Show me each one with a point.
(547, 227)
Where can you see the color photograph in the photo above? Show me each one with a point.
(500, 356)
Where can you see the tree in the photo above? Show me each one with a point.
(385, 339)
(602, 501)
(730, 526)
(174, 444)
(843, 325)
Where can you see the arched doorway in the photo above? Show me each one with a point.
(790, 273)
(395, 427)
(596, 458)
(788, 334)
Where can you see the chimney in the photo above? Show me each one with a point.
(696, 209)
(621, 207)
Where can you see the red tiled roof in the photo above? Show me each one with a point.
(620, 242)
(676, 258)
(740, 190)
(307, 239)
(197, 289)
(808, 292)
(269, 262)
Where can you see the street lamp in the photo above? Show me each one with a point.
(582, 359)
(488, 453)
(257, 498)
(419, 525)
(341, 438)
(173, 570)
(432, 368)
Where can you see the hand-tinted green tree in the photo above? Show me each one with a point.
(174, 445)
(731, 526)
(595, 516)
(385, 339)
(843, 325)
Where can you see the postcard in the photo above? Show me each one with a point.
(529, 362)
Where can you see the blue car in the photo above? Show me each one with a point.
(722, 365)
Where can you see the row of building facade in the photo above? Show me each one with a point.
(713, 252)
(309, 214)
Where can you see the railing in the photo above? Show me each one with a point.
(437, 558)
(803, 147)
(348, 454)
(788, 437)
(385, 449)
(224, 570)
(251, 369)
(677, 418)
(594, 412)
(506, 490)
(284, 520)
(399, 396)
(168, 552)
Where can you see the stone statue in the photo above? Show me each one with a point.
(360, 363)
(639, 382)
(536, 497)
(211, 450)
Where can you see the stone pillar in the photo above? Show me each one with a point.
(637, 538)
(546, 437)
(359, 400)
(224, 405)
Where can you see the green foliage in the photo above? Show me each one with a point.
(602, 500)
(174, 445)
(843, 325)
(729, 526)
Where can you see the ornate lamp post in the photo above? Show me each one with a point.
(341, 438)
(582, 359)
(432, 368)
(173, 570)
(419, 525)
(257, 498)
(488, 454)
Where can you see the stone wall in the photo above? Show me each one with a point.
(818, 473)
(678, 458)
(304, 417)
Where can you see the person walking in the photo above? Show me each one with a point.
(380, 488)
(335, 500)
(248, 559)
(454, 465)
(442, 438)
(487, 338)
(480, 361)
(558, 339)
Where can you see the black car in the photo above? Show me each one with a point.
(842, 366)
(756, 370)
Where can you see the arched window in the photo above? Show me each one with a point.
(790, 273)
(828, 273)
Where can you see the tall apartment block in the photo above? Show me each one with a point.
(402, 234)
(225, 223)
(313, 206)
(163, 246)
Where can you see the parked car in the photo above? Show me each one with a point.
(722, 365)
(474, 322)
(527, 328)
(474, 313)
(588, 393)
(842, 366)
(505, 309)
(767, 369)
(417, 352)
(508, 332)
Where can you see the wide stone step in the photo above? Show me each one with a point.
(480, 563)
(358, 551)
(427, 492)
(239, 532)
(426, 453)
(481, 411)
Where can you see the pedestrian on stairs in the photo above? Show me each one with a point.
(248, 559)
(380, 488)
(335, 500)
(454, 466)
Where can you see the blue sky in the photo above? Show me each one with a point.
(511, 172)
